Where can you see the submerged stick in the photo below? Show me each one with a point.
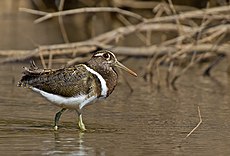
(198, 108)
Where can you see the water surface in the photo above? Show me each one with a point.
(146, 122)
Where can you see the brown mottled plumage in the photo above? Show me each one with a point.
(66, 82)
(74, 87)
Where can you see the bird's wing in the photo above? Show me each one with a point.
(65, 82)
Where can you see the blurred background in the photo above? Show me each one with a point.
(19, 32)
(153, 114)
(175, 29)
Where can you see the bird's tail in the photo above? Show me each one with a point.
(29, 74)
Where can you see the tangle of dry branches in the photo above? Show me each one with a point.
(198, 35)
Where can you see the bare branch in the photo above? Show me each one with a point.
(194, 14)
(31, 11)
(61, 24)
(190, 43)
(147, 5)
(83, 10)
(87, 47)
(123, 31)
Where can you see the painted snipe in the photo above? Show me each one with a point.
(77, 86)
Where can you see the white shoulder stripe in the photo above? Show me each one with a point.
(104, 88)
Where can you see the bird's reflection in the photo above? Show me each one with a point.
(74, 145)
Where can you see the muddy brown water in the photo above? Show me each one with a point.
(142, 123)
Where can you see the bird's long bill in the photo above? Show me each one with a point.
(118, 64)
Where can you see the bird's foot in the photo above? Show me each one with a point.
(81, 124)
(56, 128)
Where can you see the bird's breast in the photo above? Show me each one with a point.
(74, 102)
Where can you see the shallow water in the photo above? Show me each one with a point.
(146, 122)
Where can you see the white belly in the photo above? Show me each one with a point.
(68, 102)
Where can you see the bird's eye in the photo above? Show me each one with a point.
(106, 56)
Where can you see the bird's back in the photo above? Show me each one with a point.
(66, 82)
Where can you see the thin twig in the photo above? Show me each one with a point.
(83, 10)
(35, 12)
(191, 63)
(124, 31)
(219, 58)
(77, 60)
(125, 80)
(42, 59)
(168, 74)
(126, 22)
(213, 36)
(50, 61)
(180, 29)
(149, 72)
(200, 121)
(204, 23)
(138, 4)
(197, 14)
(158, 77)
(61, 24)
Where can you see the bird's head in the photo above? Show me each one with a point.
(107, 59)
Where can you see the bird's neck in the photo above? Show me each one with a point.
(108, 73)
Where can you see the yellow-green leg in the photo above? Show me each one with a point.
(80, 123)
(57, 117)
